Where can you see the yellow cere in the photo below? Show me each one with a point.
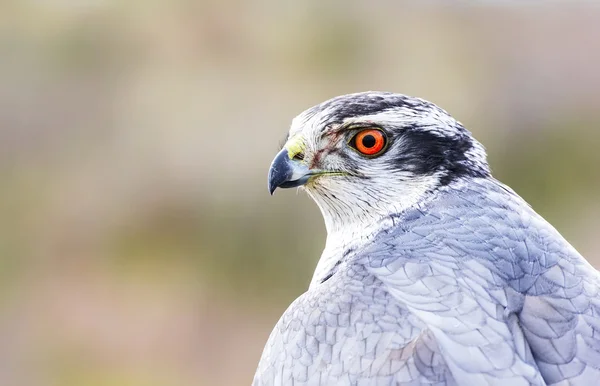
(295, 146)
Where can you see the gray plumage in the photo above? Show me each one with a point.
(462, 285)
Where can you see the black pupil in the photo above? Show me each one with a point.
(369, 141)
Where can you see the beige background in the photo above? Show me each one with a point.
(138, 243)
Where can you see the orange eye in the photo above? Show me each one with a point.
(369, 141)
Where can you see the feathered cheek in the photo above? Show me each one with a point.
(325, 158)
(315, 161)
(325, 155)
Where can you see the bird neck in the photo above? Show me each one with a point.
(353, 220)
(340, 245)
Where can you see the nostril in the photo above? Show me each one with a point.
(299, 157)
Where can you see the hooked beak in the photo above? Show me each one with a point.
(287, 172)
(288, 169)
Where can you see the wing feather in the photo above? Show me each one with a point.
(503, 293)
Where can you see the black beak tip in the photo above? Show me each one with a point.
(279, 172)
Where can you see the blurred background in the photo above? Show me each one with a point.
(139, 245)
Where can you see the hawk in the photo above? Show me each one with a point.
(433, 271)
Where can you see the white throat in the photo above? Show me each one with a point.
(357, 214)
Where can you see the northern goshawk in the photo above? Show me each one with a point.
(433, 271)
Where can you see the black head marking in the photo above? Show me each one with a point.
(363, 104)
(425, 153)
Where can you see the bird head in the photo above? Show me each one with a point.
(366, 156)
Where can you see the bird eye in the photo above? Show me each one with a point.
(369, 141)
